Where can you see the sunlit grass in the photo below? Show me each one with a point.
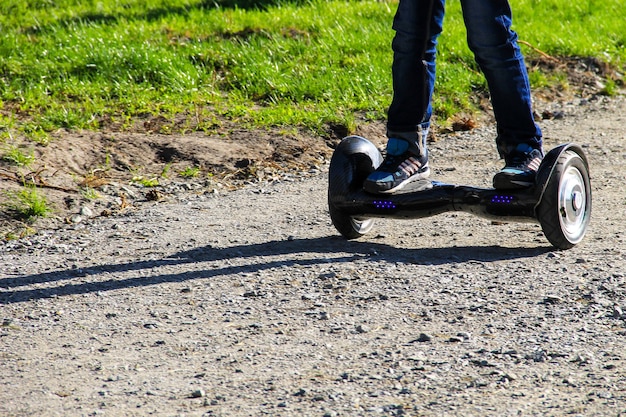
(71, 64)
(28, 203)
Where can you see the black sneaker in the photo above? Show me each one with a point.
(399, 168)
(520, 170)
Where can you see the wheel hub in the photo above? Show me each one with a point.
(572, 203)
(577, 200)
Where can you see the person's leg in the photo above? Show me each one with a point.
(495, 47)
(417, 24)
(497, 52)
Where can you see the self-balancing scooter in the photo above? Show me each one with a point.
(560, 201)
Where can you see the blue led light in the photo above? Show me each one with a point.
(502, 199)
(384, 204)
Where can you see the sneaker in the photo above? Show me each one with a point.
(520, 170)
(399, 168)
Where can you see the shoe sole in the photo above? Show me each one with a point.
(511, 184)
(416, 177)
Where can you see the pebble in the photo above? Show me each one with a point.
(552, 299)
(423, 337)
(362, 328)
(199, 393)
(300, 393)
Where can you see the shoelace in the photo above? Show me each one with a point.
(409, 164)
(526, 162)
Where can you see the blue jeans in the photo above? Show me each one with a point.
(495, 48)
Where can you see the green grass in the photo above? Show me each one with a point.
(92, 64)
(28, 203)
(190, 172)
(19, 157)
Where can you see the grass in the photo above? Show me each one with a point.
(145, 182)
(71, 64)
(19, 157)
(190, 172)
(28, 203)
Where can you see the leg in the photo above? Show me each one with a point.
(417, 24)
(495, 47)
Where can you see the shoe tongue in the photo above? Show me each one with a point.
(523, 148)
(397, 146)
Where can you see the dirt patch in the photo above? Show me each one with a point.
(143, 162)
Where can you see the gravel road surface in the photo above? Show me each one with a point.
(248, 303)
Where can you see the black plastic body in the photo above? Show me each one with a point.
(355, 157)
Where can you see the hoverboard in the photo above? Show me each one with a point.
(560, 200)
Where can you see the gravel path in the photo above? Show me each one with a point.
(248, 303)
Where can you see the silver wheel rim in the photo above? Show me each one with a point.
(573, 204)
(362, 226)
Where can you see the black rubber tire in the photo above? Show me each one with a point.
(353, 160)
(565, 208)
(350, 227)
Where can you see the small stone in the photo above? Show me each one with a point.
(423, 337)
(76, 218)
(552, 299)
(86, 211)
(199, 393)
(539, 356)
(128, 191)
(582, 359)
(362, 328)
(510, 376)
(483, 363)
(464, 335)
(300, 393)
(153, 195)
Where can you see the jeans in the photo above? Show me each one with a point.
(495, 48)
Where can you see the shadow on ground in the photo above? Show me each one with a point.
(252, 258)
